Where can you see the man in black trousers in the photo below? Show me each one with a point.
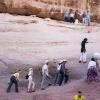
(14, 80)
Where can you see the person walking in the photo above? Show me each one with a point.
(31, 83)
(57, 72)
(79, 96)
(61, 74)
(92, 74)
(45, 75)
(66, 76)
(84, 18)
(72, 19)
(83, 51)
(88, 18)
(14, 80)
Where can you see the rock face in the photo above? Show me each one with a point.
(3, 7)
(95, 7)
(47, 8)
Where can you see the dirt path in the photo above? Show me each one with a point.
(25, 43)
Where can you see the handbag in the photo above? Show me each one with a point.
(27, 76)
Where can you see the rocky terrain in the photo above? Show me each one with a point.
(27, 41)
(50, 8)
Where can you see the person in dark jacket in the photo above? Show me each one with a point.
(14, 80)
(61, 74)
(83, 51)
(66, 76)
(57, 72)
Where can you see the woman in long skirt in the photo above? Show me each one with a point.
(92, 71)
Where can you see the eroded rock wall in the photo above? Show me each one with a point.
(48, 8)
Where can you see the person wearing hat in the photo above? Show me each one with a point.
(96, 55)
(79, 96)
(30, 81)
(61, 74)
(45, 75)
(14, 80)
(57, 73)
(83, 51)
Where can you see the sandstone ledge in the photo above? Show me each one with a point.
(39, 9)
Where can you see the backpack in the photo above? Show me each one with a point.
(27, 76)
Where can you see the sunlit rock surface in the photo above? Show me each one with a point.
(49, 8)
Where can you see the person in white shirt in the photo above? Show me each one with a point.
(92, 71)
(72, 20)
(92, 64)
(31, 82)
(72, 15)
(45, 75)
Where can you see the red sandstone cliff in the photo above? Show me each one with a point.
(48, 8)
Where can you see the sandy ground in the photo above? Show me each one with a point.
(28, 41)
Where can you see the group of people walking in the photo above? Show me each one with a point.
(14, 79)
(46, 77)
(61, 75)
